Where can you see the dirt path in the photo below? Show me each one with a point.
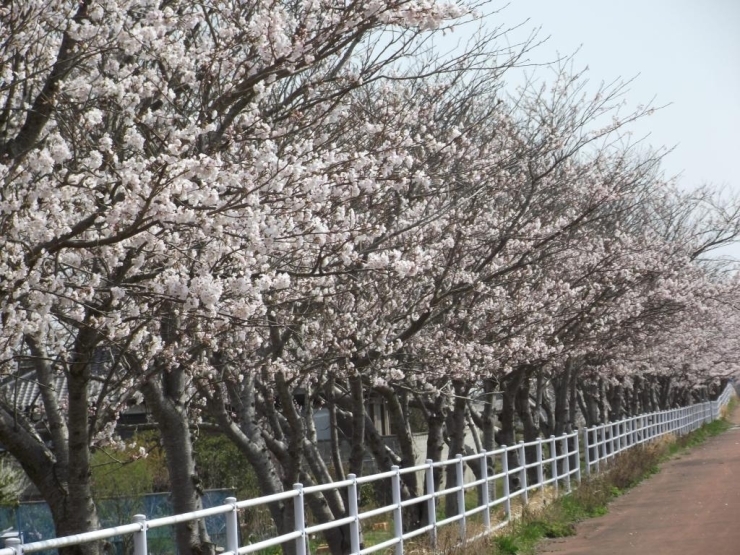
(692, 506)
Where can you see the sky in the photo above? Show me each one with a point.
(681, 53)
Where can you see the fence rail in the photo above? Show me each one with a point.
(556, 463)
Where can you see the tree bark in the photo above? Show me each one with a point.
(60, 469)
(456, 424)
(166, 398)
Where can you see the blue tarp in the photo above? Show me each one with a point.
(33, 520)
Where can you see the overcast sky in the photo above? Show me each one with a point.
(685, 53)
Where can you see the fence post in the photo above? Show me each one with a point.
(611, 439)
(299, 520)
(566, 462)
(700, 417)
(667, 425)
(14, 544)
(689, 419)
(397, 512)
(662, 422)
(645, 428)
(459, 470)
(577, 455)
(623, 436)
(540, 470)
(354, 526)
(431, 503)
(674, 425)
(507, 492)
(140, 547)
(697, 418)
(593, 432)
(658, 424)
(523, 472)
(554, 464)
(232, 526)
(484, 492)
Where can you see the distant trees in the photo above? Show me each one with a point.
(241, 212)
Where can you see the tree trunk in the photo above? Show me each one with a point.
(530, 428)
(167, 401)
(506, 435)
(561, 386)
(59, 469)
(403, 434)
(246, 434)
(336, 456)
(435, 437)
(456, 423)
(616, 402)
(357, 450)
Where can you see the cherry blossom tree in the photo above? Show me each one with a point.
(144, 159)
(238, 212)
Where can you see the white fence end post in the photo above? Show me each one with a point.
(566, 462)
(485, 499)
(507, 489)
(431, 503)
(354, 526)
(140, 547)
(554, 464)
(523, 472)
(460, 482)
(299, 520)
(577, 454)
(397, 512)
(14, 544)
(232, 526)
(540, 469)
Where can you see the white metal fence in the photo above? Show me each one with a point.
(554, 462)
(603, 442)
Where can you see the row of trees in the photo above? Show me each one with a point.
(238, 212)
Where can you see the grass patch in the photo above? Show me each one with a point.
(558, 518)
(697, 437)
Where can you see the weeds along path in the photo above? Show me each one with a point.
(691, 506)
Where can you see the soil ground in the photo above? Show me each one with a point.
(690, 507)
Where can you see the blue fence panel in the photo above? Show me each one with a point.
(34, 521)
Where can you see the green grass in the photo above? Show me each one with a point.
(591, 498)
(698, 437)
